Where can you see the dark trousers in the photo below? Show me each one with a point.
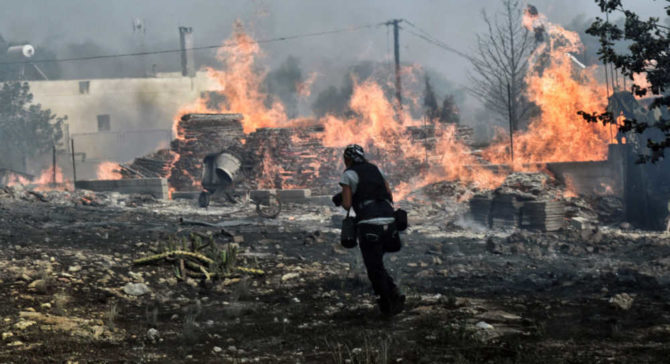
(372, 240)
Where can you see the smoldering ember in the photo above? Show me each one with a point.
(187, 204)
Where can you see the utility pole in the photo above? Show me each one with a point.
(74, 165)
(396, 52)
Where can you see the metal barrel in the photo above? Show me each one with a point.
(219, 170)
(227, 167)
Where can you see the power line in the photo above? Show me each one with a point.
(422, 34)
(625, 12)
(135, 54)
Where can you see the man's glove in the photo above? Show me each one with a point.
(337, 199)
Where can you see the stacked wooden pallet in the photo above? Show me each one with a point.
(197, 136)
(155, 165)
(505, 211)
(290, 158)
(543, 215)
(480, 210)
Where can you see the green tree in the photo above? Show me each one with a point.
(26, 130)
(648, 53)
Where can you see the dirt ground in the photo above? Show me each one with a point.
(472, 297)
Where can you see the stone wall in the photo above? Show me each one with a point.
(157, 187)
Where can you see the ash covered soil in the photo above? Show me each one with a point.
(518, 297)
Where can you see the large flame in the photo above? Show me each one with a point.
(558, 134)
(46, 177)
(560, 90)
(376, 124)
(239, 86)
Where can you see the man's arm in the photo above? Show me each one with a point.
(388, 189)
(346, 197)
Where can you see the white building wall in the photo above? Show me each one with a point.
(141, 111)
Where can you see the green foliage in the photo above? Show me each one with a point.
(648, 45)
(26, 130)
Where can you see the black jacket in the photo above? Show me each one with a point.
(371, 199)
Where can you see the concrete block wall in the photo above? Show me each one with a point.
(294, 196)
(596, 177)
(285, 196)
(157, 187)
(590, 178)
(261, 195)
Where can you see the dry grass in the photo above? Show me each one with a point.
(151, 314)
(112, 314)
(242, 291)
(61, 299)
(376, 351)
(190, 328)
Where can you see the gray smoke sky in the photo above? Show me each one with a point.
(108, 23)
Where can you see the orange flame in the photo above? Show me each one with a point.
(570, 188)
(376, 124)
(304, 88)
(45, 181)
(557, 134)
(46, 177)
(16, 180)
(606, 189)
(560, 90)
(240, 85)
(109, 171)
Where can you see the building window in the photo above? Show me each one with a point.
(84, 86)
(104, 123)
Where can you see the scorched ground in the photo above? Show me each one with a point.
(524, 297)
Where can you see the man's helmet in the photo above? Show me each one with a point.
(355, 153)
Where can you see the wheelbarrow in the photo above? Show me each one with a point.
(219, 173)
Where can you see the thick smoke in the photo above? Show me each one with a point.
(333, 99)
(284, 82)
(107, 28)
(339, 59)
(84, 28)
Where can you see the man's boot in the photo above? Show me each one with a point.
(384, 304)
(393, 304)
(397, 304)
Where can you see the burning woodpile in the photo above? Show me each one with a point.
(196, 136)
(292, 157)
(151, 166)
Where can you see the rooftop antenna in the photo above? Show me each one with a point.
(139, 31)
